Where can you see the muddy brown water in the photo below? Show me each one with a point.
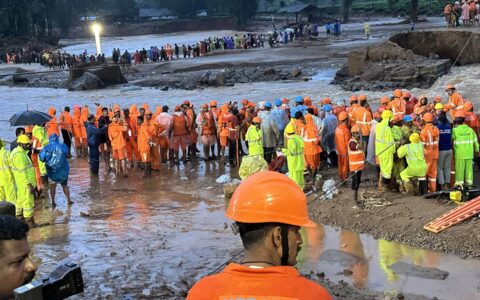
(153, 238)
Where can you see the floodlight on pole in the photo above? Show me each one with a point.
(97, 28)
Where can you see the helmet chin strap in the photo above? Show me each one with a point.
(285, 250)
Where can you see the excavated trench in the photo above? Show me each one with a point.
(446, 44)
(408, 60)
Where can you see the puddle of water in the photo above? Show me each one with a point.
(162, 234)
(325, 75)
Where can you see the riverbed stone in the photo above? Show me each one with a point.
(87, 81)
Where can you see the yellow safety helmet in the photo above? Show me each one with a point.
(439, 106)
(414, 138)
(23, 139)
(387, 114)
(290, 129)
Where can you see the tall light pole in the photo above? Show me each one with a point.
(97, 28)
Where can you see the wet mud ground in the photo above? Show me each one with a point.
(153, 238)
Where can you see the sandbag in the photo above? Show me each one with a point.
(251, 165)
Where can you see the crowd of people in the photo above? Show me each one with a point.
(411, 141)
(459, 14)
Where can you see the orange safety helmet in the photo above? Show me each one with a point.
(406, 94)
(397, 93)
(204, 106)
(257, 120)
(186, 102)
(437, 99)
(377, 114)
(362, 97)
(355, 128)
(384, 100)
(269, 197)
(245, 102)
(428, 117)
(342, 115)
(353, 98)
(326, 101)
(449, 87)
(460, 114)
(467, 106)
(213, 103)
(285, 100)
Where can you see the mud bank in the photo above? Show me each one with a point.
(401, 221)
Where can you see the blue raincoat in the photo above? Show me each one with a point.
(54, 154)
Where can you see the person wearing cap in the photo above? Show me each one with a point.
(228, 129)
(254, 138)
(327, 133)
(25, 182)
(52, 125)
(180, 134)
(385, 148)
(39, 139)
(363, 118)
(270, 132)
(312, 148)
(455, 100)
(268, 209)
(383, 104)
(342, 137)
(397, 105)
(299, 105)
(294, 153)
(116, 134)
(164, 120)
(105, 146)
(280, 116)
(144, 145)
(356, 158)
(208, 130)
(352, 109)
(429, 137)
(7, 182)
(417, 167)
(445, 151)
(465, 148)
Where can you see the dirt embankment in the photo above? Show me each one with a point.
(401, 221)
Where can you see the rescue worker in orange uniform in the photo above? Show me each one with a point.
(352, 109)
(363, 118)
(52, 125)
(77, 130)
(455, 101)
(429, 137)
(131, 135)
(144, 144)
(342, 137)
(116, 134)
(216, 112)
(180, 134)
(84, 120)
(208, 130)
(470, 118)
(397, 105)
(268, 209)
(356, 158)
(66, 125)
(312, 148)
(164, 120)
(338, 108)
(191, 116)
(410, 102)
(383, 104)
(154, 129)
(422, 106)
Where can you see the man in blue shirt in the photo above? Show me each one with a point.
(94, 135)
(445, 151)
(280, 117)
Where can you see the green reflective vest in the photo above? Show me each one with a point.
(384, 139)
(465, 142)
(255, 140)
(22, 168)
(6, 176)
(414, 154)
(294, 153)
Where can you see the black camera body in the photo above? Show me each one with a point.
(66, 280)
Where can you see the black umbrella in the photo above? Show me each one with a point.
(29, 117)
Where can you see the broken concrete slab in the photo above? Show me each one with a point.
(418, 271)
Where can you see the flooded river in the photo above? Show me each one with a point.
(153, 238)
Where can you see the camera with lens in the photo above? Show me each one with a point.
(66, 280)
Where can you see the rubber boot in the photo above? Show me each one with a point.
(355, 196)
(422, 187)
(408, 187)
(383, 184)
(403, 189)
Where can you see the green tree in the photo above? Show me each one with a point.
(346, 4)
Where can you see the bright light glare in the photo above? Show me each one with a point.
(97, 28)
